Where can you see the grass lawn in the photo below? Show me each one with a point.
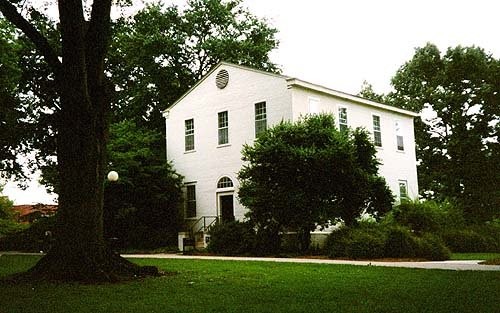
(474, 256)
(232, 286)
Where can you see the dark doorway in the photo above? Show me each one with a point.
(226, 208)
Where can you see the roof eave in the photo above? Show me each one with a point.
(339, 94)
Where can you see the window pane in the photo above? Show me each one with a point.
(260, 118)
(189, 134)
(225, 182)
(377, 135)
(223, 136)
(343, 119)
(313, 106)
(190, 201)
(223, 123)
(400, 143)
(403, 190)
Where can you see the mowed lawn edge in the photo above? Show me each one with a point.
(238, 286)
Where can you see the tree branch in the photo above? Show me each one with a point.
(10, 12)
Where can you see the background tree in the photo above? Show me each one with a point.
(300, 175)
(141, 208)
(8, 223)
(160, 52)
(81, 124)
(458, 146)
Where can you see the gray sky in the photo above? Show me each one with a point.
(339, 44)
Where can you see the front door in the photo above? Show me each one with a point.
(226, 207)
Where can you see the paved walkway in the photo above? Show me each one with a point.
(469, 265)
(444, 265)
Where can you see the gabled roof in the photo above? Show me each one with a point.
(302, 84)
(222, 63)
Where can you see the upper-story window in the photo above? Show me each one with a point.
(377, 133)
(223, 126)
(313, 106)
(399, 136)
(260, 118)
(190, 200)
(189, 135)
(343, 118)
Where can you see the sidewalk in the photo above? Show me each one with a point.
(469, 265)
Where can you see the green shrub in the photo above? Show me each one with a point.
(335, 245)
(400, 243)
(232, 238)
(470, 240)
(432, 247)
(365, 243)
(268, 239)
(32, 239)
(427, 216)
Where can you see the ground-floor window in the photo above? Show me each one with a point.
(190, 200)
(403, 190)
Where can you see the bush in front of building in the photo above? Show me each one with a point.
(432, 247)
(427, 216)
(232, 238)
(384, 241)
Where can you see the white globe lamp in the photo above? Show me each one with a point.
(112, 176)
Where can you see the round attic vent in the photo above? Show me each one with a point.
(221, 79)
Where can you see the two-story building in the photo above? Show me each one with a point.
(208, 126)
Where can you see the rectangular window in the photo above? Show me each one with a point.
(400, 143)
(260, 118)
(399, 136)
(343, 118)
(403, 190)
(223, 126)
(377, 134)
(190, 201)
(313, 106)
(189, 135)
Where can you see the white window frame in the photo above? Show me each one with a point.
(313, 105)
(343, 125)
(406, 196)
(190, 201)
(379, 131)
(260, 117)
(223, 128)
(189, 135)
(399, 134)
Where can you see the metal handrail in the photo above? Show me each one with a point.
(194, 228)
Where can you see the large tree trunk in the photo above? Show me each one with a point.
(80, 251)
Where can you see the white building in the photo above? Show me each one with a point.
(207, 127)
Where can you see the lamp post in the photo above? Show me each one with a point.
(113, 241)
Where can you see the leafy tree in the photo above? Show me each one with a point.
(308, 173)
(141, 208)
(81, 124)
(160, 52)
(8, 223)
(458, 147)
(367, 92)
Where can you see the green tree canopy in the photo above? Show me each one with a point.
(458, 145)
(300, 175)
(141, 208)
(160, 52)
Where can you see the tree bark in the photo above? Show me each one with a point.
(80, 251)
